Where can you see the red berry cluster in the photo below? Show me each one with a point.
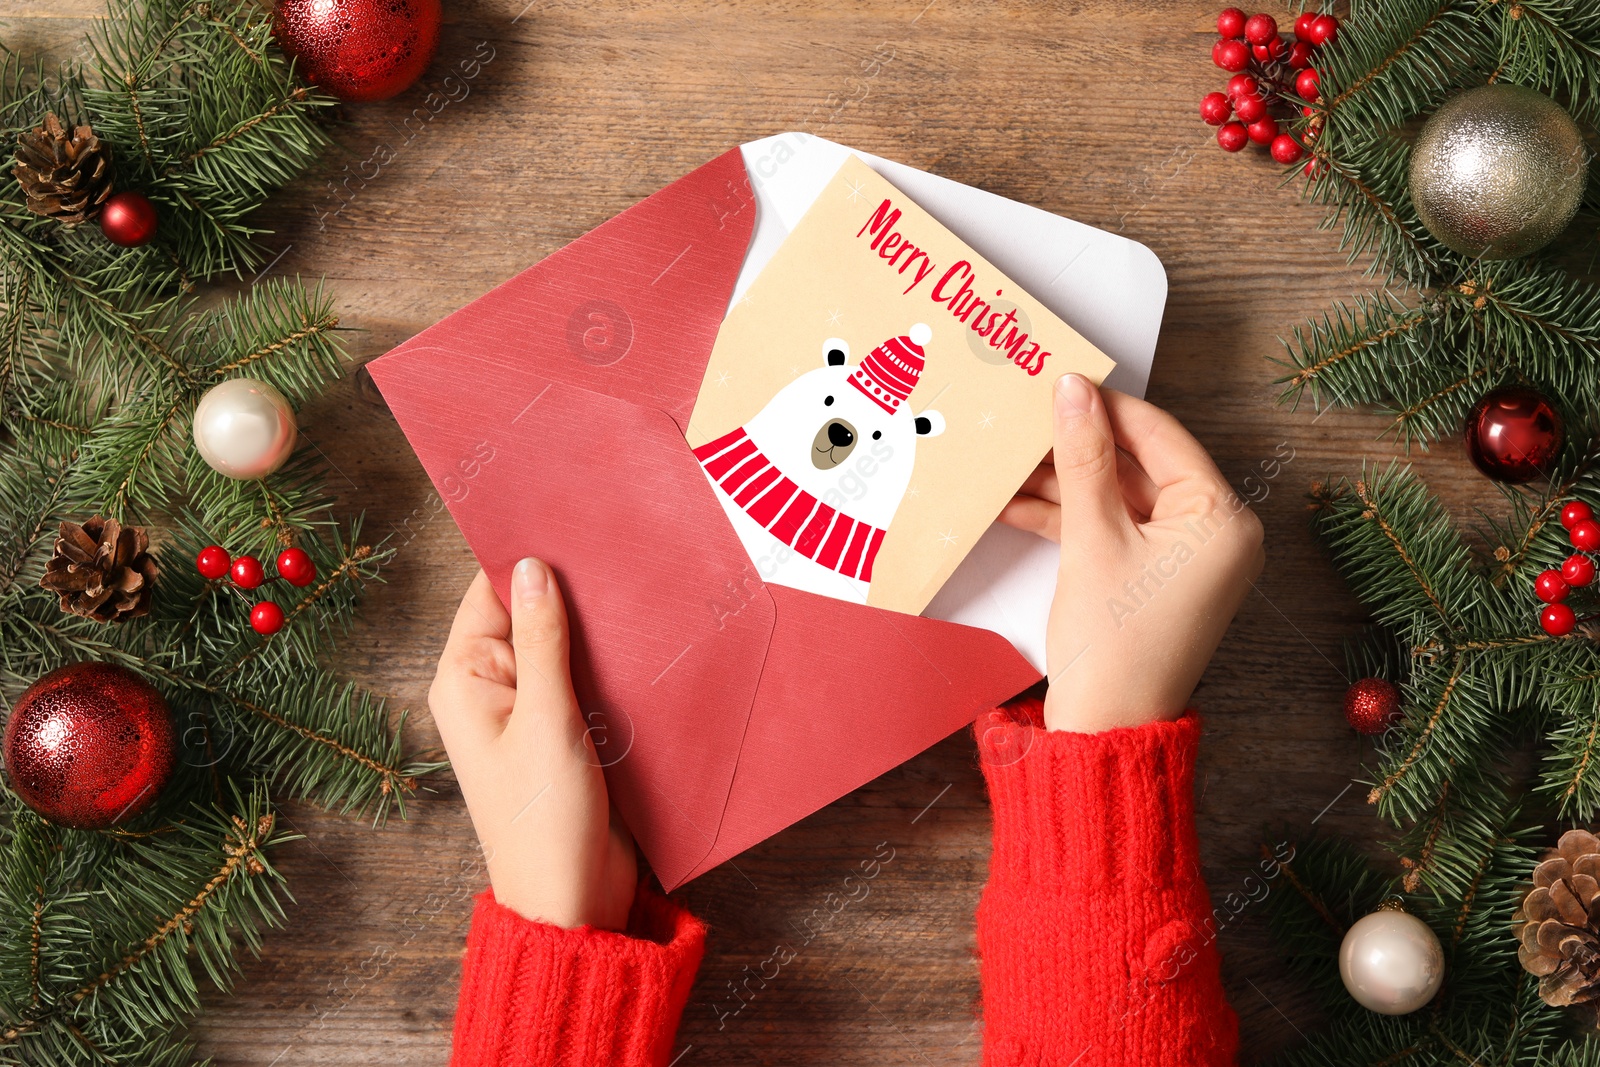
(246, 573)
(1267, 73)
(1577, 571)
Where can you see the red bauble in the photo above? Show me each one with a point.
(1323, 29)
(1259, 29)
(1305, 84)
(1264, 130)
(1250, 109)
(1286, 149)
(1514, 434)
(1585, 536)
(1558, 620)
(90, 746)
(1231, 22)
(212, 562)
(128, 219)
(1371, 705)
(1215, 109)
(1575, 512)
(1232, 136)
(1577, 569)
(247, 572)
(1231, 55)
(295, 567)
(359, 49)
(266, 618)
(1300, 55)
(1550, 587)
(1242, 85)
(1302, 25)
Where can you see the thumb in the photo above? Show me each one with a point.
(540, 638)
(1092, 509)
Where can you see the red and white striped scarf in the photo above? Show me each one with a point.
(792, 515)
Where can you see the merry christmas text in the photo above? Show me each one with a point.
(956, 290)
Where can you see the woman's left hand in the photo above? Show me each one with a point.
(556, 850)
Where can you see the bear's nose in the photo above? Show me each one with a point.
(833, 444)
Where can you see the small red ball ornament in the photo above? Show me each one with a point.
(1302, 25)
(1232, 136)
(1286, 149)
(128, 219)
(1250, 109)
(1574, 512)
(1242, 85)
(266, 618)
(1550, 587)
(1264, 130)
(212, 562)
(295, 567)
(1323, 29)
(1586, 536)
(90, 746)
(1215, 109)
(1259, 29)
(1231, 55)
(1305, 84)
(247, 572)
(1514, 434)
(1371, 705)
(359, 50)
(1577, 570)
(1231, 22)
(1558, 620)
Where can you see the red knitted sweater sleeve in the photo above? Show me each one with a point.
(1095, 928)
(535, 995)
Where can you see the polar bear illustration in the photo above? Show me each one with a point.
(813, 480)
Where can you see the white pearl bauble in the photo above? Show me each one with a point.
(244, 428)
(1391, 962)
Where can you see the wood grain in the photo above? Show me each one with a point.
(1086, 108)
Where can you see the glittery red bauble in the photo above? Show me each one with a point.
(91, 745)
(359, 49)
(1514, 434)
(128, 219)
(1371, 705)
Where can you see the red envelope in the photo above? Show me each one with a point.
(550, 415)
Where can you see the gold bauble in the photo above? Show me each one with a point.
(1498, 172)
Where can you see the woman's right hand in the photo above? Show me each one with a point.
(1157, 553)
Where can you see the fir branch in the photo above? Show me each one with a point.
(240, 856)
(1378, 792)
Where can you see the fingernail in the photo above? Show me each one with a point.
(530, 580)
(1074, 395)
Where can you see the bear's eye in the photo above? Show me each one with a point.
(827, 402)
(876, 434)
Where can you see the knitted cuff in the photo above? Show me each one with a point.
(535, 995)
(1094, 928)
(1085, 810)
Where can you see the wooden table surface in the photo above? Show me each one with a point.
(1086, 108)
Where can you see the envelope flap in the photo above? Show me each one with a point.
(667, 613)
(849, 692)
(631, 309)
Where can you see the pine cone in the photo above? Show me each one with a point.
(66, 177)
(102, 570)
(1560, 917)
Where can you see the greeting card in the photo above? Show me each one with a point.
(875, 398)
